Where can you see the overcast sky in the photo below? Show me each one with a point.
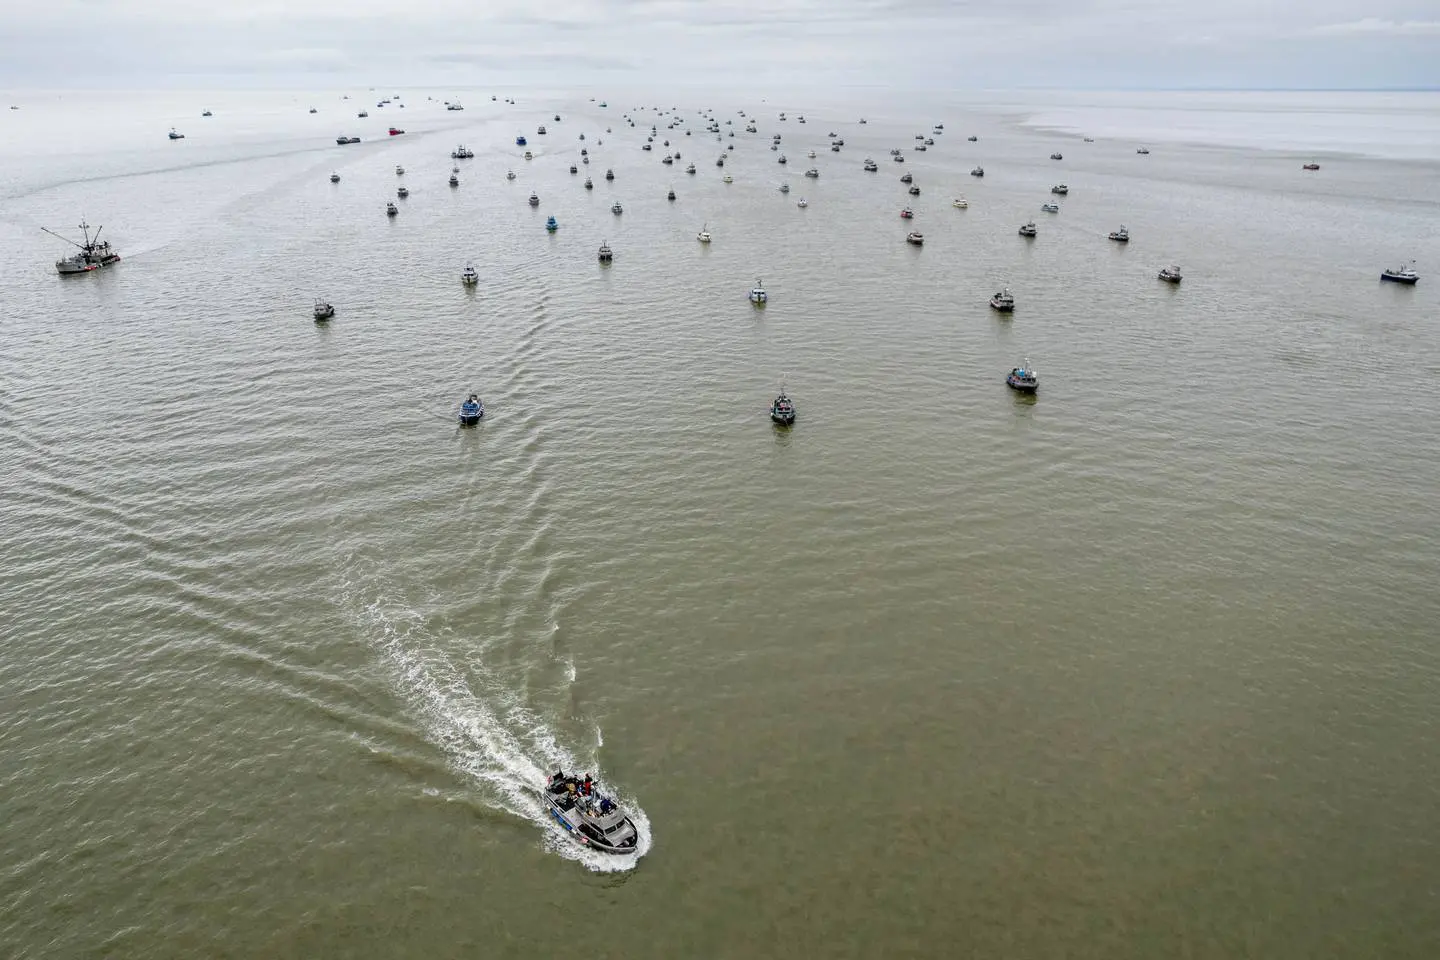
(715, 44)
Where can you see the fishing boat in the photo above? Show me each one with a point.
(605, 253)
(870, 165)
(978, 172)
(469, 276)
(690, 168)
(1170, 274)
(462, 152)
(972, 138)
(1310, 166)
(812, 173)
(454, 180)
(1143, 150)
(616, 209)
(540, 131)
(1050, 207)
(915, 237)
(529, 155)
(907, 214)
(174, 135)
(960, 203)
(609, 174)
(399, 170)
(343, 140)
(784, 188)
(1060, 189)
(1028, 229)
(1023, 378)
(551, 224)
(363, 114)
(510, 174)
(704, 235)
(590, 818)
(472, 411)
(802, 203)
(324, 310)
(589, 184)
(781, 159)
(534, 200)
(1003, 301)
(519, 141)
(727, 179)
(396, 131)
(670, 195)
(1405, 274)
(334, 178)
(391, 210)
(906, 178)
(1056, 156)
(403, 192)
(914, 191)
(782, 410)
(1120, 236)
(758, 294)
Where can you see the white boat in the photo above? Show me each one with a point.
(534, 200)
(605, 253)
(757, 293)
(1050, 207)
(1170, 274)
(324, 310)
(811, 154)
(812, 173)
(1120, 236)
(616, 209)
(391, 210)
(1405, 274)
(93, 254)
(915, 237)
(1003, 301)
(728, 179)
(960, 203)
(399, 171)
(704, 235)
(469, 276)
(802, 202)
(454, 180)
(1028, 230)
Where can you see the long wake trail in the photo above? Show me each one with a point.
(488, 735)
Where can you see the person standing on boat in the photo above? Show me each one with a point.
(589, 786)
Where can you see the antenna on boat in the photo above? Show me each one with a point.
(66, 239)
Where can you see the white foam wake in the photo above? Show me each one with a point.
(488, 735)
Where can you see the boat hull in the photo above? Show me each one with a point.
(66, 267)
(1396, 278)
(1024, 386)
(585, 835)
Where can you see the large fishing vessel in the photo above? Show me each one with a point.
(94, 252)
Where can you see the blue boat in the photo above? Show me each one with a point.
(551, 225)
(471, 411)
(1023, 378)
(519, 141)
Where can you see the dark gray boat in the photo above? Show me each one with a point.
(592, 819)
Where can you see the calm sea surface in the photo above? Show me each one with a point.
(1147, 665)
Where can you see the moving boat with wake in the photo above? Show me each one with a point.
(94, 253)
(590, 818)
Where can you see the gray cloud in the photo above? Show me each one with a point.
(749, 44)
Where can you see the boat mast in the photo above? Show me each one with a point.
(66, 239)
